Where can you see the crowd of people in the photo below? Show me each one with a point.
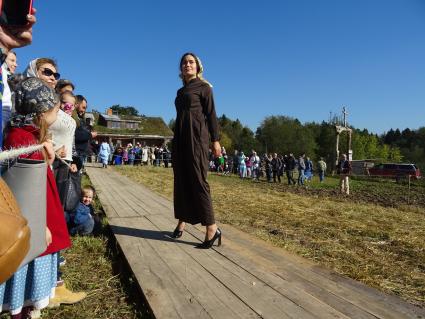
(116, 154)
(273, 167)
(40, 108)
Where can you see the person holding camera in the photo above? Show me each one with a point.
(11, 37)
(196, 123)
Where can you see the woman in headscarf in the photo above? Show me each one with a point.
(44, 69)
(196, 124)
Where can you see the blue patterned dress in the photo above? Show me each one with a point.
(32, 285)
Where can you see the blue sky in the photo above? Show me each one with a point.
(296, 58)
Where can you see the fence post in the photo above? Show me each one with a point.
(408, 194)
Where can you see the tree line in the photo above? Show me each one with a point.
(283, 135)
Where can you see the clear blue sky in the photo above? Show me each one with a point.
(297, 58)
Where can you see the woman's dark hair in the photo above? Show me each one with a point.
(62, 83)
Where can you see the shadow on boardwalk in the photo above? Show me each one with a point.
(149, 234)
(244, 278)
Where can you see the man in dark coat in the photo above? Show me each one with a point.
(83, 134)
(276, 164)
(290, 167)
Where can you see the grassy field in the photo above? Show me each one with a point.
(373, 235)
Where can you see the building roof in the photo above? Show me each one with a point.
(110, 117)
(116, 118)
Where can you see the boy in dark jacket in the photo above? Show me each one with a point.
(82, 218)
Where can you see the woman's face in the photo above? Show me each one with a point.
(189, 67)
(47, 72)
(51, 115)
(11, 62)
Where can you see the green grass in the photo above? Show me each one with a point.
(373, 235)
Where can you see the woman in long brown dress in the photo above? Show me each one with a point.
(196, 124)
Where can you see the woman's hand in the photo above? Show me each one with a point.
(216, 149)
(48, 236)
(48, 146)
(17, 36)
(61, 152)
(73, 168)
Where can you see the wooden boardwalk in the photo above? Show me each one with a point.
(244, 278)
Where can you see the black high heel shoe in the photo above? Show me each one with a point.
(177, 233)
(209, 243)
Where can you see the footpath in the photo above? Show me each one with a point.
(243, 278)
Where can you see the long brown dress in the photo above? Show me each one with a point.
(196, 123)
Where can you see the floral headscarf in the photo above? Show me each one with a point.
(32, 97)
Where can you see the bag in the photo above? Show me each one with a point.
(70, 190)
(14, 234)
(27, 179)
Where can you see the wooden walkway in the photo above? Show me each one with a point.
(244, 278)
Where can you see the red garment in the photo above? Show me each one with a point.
(25, 136)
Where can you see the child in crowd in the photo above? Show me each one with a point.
(67, 102)
(82, 222)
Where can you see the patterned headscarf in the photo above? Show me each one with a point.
(33, 97)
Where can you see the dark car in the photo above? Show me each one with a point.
(395, 170)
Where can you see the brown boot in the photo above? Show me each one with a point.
(65, 296)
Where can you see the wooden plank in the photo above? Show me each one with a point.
(163, 291)
(126, 194)
(109, 189)
(253, 290)
(128, 199)
(188, 276)
(105, 200)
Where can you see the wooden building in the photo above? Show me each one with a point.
(121, 130)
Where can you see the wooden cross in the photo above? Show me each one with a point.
(345, 116)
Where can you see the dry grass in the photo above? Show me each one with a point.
(381, 246)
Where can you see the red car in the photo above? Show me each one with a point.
(395, 170)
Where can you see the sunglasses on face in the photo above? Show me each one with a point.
(48, 72)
